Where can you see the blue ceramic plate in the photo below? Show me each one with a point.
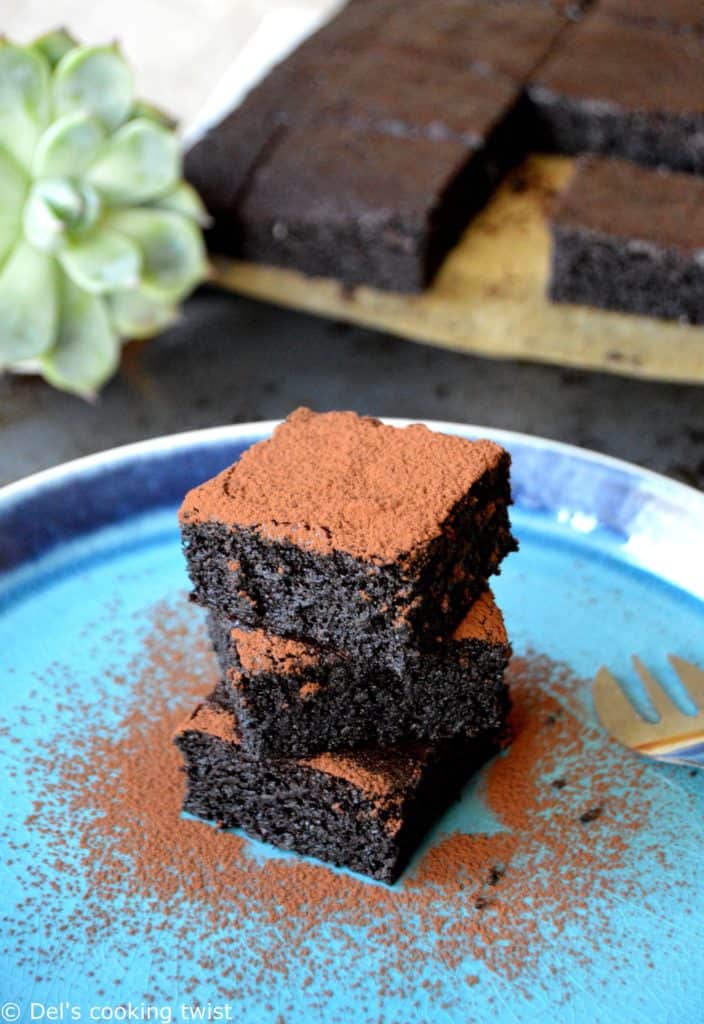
(566, 885)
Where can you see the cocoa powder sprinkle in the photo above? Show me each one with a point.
(137, 878)
(339, 481)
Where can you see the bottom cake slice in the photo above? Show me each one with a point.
(364, 810)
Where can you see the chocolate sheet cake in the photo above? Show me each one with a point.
(629, 238)
(363, 810)
(365, 153)
(349, 533)
(289, 183)
(292, 698)
(624, 90)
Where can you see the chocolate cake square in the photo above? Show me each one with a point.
(365, 811)
(630, 239)
(350, 533)
(509, 38)
(624, 90)
(675, 15)
(308, 82)
(363, 207)
(221, 163)
(294, 699)
(404, 94)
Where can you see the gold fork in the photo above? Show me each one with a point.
(676, 736)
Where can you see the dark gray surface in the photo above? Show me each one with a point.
(232, 360)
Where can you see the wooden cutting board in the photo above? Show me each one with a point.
(490, 296)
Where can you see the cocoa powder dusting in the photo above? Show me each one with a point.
(483, 621)
(212, 720)
(338, 481)
(260, 652)
(308, 690)
(107, 819)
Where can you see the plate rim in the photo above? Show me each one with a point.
(87, 464)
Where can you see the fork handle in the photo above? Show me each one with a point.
(691, 755)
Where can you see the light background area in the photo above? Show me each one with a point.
(188, 56)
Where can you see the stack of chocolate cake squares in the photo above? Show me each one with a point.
(344, 564)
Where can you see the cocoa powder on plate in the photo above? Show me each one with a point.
(113, 862)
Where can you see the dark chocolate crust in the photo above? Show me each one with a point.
(630, 239)
(624, 90)
(350, 533)
(295, 700)
(365, 811)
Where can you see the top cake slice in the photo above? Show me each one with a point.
(348, 532)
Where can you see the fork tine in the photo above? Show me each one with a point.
(671, 736)
(615, 711)
(667, 710)
(691, 677)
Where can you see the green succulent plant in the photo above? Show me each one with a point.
(99, 236)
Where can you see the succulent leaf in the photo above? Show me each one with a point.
(58, 210)
(44, 215)
(69, 146)
(105, 261)
(24, 99)
(55, 45)
(173, 254)
(99, 236)
(96, 80)
(184, 200)
(14, 185)
(137, 314)
(28, 304)
(86, 350)
(139, 162)
(24, 81)
(153, 113)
